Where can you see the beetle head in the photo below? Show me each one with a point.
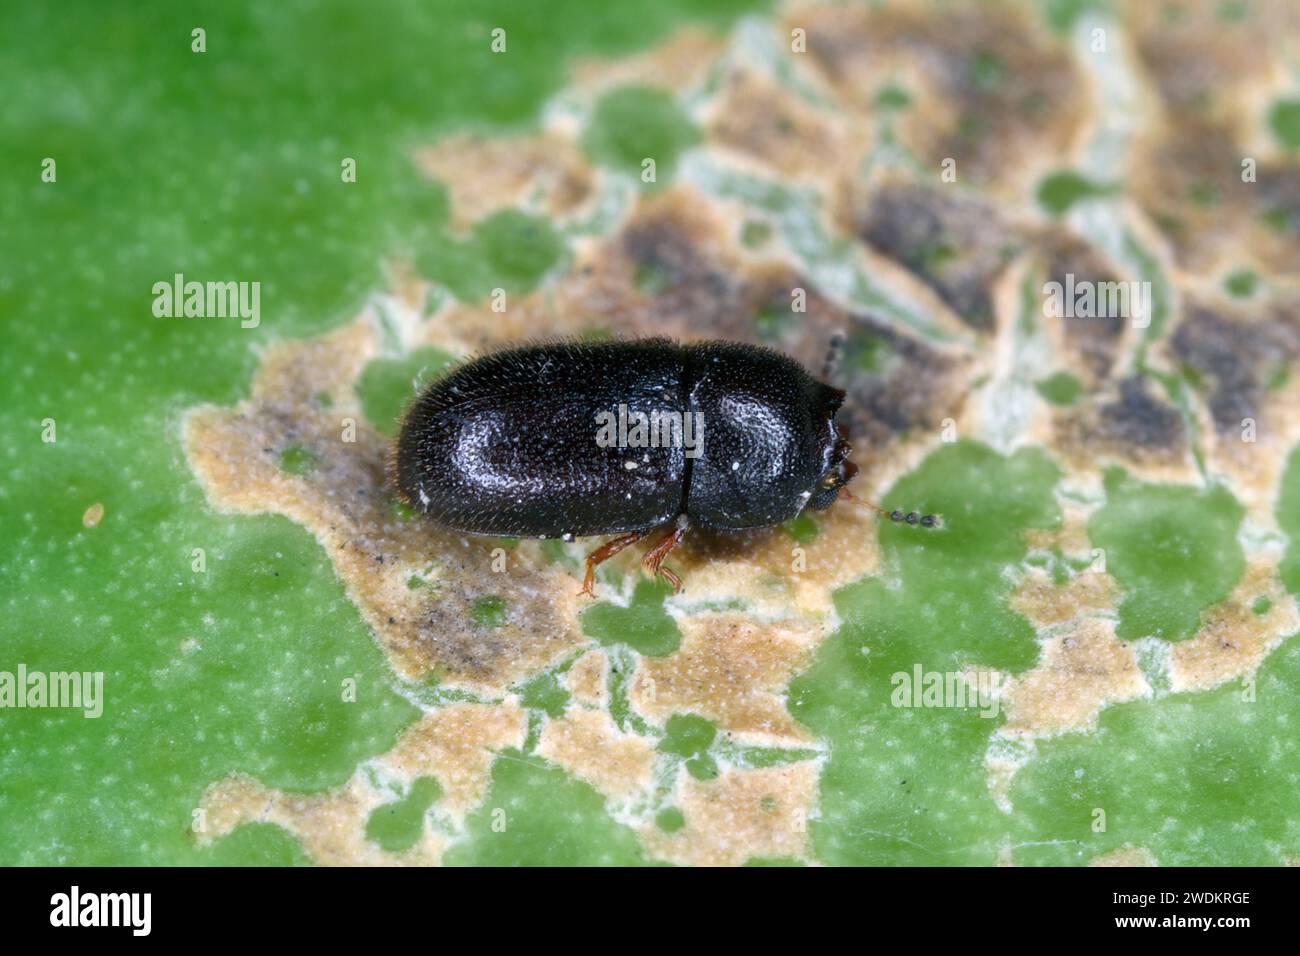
(839, 471)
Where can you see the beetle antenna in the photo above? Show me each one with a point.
(834, 353)
(906, 517)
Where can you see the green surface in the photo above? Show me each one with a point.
(217, 165)
(224, 640)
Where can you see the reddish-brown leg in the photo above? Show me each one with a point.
(654, 558)
(604, 553)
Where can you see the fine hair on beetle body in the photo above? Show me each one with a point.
(575, 439)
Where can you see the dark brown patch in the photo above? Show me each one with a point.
(761, 120)
(680, 277)
(1197, 61)
(1133, 424)
(997, 91)
(957, 245)
(1096, 343)
(1189, 182)
(1233, 358)
(1140, 420)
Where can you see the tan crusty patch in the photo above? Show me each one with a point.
(1047, 603)
(544, 172)
(732, 670)
(739, 816)
(780, 576)
(588, 744)
(1233, 640)
(453, 745)
(330, 826)
(1080, 670)
(588, 679)
(678, 63)
(93, 515)
(1126, 855)
(765, 124)
(1070, 536)
(346, 502)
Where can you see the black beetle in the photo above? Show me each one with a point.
(571, 439)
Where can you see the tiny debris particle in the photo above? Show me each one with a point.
(94, 515)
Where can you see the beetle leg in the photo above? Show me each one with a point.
(654, 558)
(604, 553)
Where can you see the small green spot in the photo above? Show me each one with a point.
(323, 399)
(554, 552)
(519, 248)
(755, 233)
(1262, 604)
(545, 692)
(867, 353)
(386, 385)
(775, 321)
(1035, 105)
(400, 510)
(802, 528)
(1059, 191)
(703, 767)
(687, 735)
(931, 256)
(652, 278)
(1281, 375)
(987, 70)
(1060, 573)
(297, 460)
(1205, 194)
(1277, 219)
(488, 612)
(670, 820)
(1171, 225)
(634, 123)
(1241, 283)
(1061, 388)
(1284, 118)
(1233, 11)
(415, 582)
(396, 826)
(893, 98)
(1063, 14)
(643, 625)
